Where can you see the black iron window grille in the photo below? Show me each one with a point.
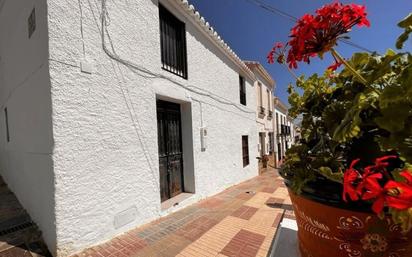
(245, 150)
(242, 90)
(32, 22)
(173, 43)
(261, 111)
(270, 114)
(6, 117)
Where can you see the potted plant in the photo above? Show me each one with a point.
(350, 177)
(265, 160)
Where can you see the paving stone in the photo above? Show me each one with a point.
(245, 212)
(244, 244)
(232, 223)
(17, 251)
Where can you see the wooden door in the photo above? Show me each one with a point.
(169, 129)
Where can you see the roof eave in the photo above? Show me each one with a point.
(196, 19)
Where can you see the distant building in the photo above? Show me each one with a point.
(264, 88)
(284, 130)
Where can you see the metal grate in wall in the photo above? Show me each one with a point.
(173, 43)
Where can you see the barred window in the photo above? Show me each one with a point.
(242, 90)
(6, 118)
(173, 43)
(245, 150)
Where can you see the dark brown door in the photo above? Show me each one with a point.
(262, 144)
(170, 149)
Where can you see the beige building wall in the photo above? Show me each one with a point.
(264, 88)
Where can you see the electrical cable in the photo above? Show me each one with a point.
(112, 54)
(149, 74)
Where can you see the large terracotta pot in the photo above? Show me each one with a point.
(326, 231)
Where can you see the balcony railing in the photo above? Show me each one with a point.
(261, 111)
(284, 130)
(270, 114)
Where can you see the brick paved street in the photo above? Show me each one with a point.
(240, 221)
(19, 237)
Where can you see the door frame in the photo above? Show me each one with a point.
(168, 105)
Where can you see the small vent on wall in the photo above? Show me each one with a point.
(125, 217)
(16, 228)
(32, 22)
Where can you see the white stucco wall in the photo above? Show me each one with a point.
(26, 162)
(104, 123)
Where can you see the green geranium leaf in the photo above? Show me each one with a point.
(334, 176)
(406, 24)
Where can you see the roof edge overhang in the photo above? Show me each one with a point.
(202, 25)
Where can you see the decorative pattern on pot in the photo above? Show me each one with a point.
(326, 231)
(351, 252)
(374, 243)
(350, 223)
(313, 226)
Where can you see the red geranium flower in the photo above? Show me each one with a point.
(349, 178)
(407, 176)
(368, 178)
(334, 66)
(316, 34)
(397, 195)
(374, 191)
(276, 51)
(382, 162)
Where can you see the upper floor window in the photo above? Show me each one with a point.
(242, 90)
(173, 43)
(268, 94)
(277, 123)
(6, 119)
(260, 94)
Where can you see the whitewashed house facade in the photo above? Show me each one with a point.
(114, 112)
(264, 88)
(283, 130)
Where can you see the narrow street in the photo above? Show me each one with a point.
(240, 221)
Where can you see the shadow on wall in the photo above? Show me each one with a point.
(26, 136)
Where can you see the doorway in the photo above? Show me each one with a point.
(262, 144)
(169, 127)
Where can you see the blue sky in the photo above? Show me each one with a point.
(251, 30)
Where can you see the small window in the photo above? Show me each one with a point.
(268, 94)
(32, 22)
(173, 43)
(242, 90)
(260, 94)
(245, 150)
(6, 117)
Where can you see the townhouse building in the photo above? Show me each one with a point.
(284, 130)
(115, 113)
(264, 88)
